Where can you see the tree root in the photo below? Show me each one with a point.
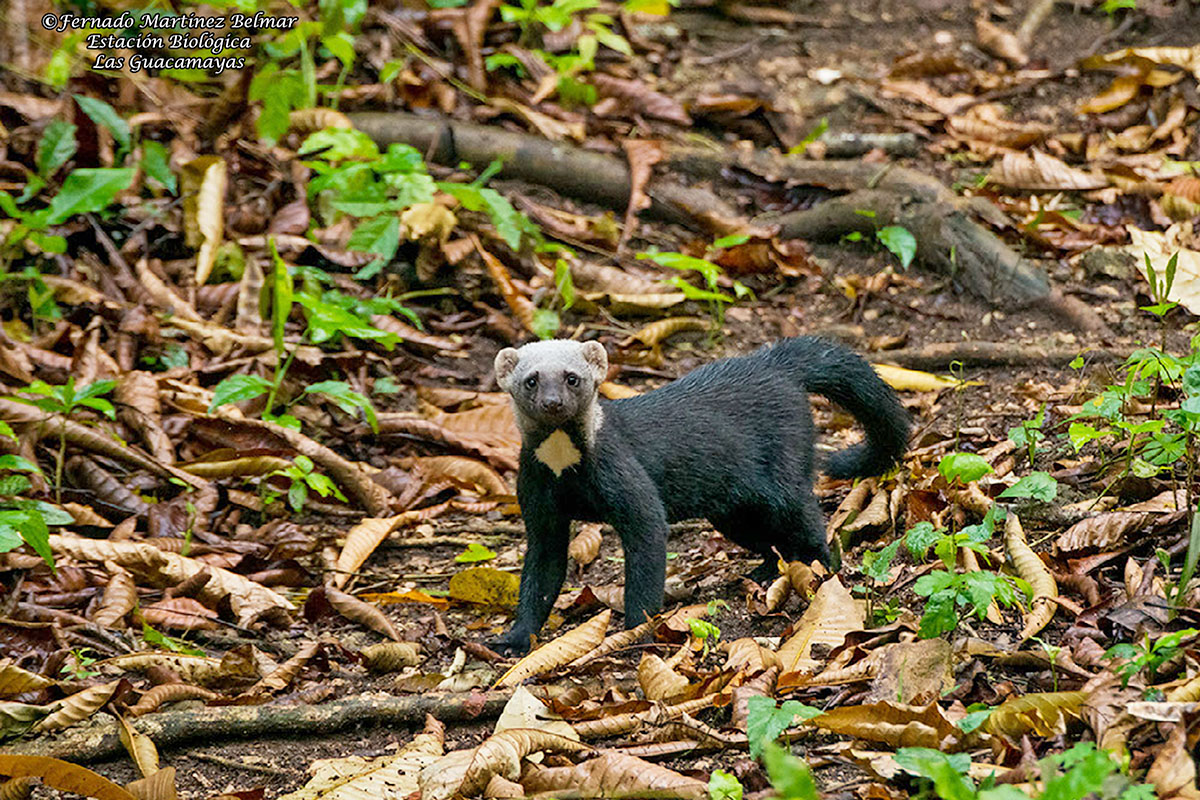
(948, 239)
(939, 355)
(102, 741)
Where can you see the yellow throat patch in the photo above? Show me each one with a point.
(558, 452)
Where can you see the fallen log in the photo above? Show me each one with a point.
(949, 240)
(102, 740)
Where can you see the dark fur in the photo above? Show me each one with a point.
(731, 442)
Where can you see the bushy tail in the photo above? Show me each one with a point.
(834, 371)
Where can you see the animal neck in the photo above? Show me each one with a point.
(564, 445)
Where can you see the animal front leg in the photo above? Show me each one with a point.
(542, 578)
(643, 533)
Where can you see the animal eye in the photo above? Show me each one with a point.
(531, 381)
(572, 379)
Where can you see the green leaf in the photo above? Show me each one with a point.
(326, 322)
(56, 147)
(876, 566)
(708, 269)
(1039, 486)
(237, 388)
(940, 616)
(474, 552)
(565, 284)
(765, 722)
(920, 538)
(297, 495)
(545, 323)
(946, 772)
(339, 144)
(733, 240)
(106, 116)
(816, 133)
(790, 776)
(17, 464)
(346, 399)
(156, 162)
(723, 786)
(6, 430)
(900, 241)
(963, 467)
(380, 235)
(974, 719)
(87, 190)
(284, 296)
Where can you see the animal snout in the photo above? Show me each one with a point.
(552, 405)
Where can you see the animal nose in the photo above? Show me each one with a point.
(553, 405)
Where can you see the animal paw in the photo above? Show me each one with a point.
(512, 643)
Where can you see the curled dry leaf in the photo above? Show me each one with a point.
(159, 785)
(62, 775)
(832, 614)
(390, 776)
(194, 669)
(560, 652)
(391, 656)
(613, 643)
(747, 655)
(604, 279)
(638, 98)
(140, 748)
(1103, 531)
(1037, 171)
(585, 547)
(488, 430)
(14, 680)
(119, 598)
(521, 306)
(361, 612)
(1181, 199)
(169, 693)
(466, 772)
(912, 380)
(658, 680)
(412, 336)
(76, 707)
(1173, 773)
(250, 601)
(642, 155)
(659, 331)
(778, 593)
(894, 724)
(1032, 569)
(216, 465)
(202, 185)
(311, 120)
(139, 408)
(615, 391)
(180, 613)
(470, 473)
(523, 710)
(282, 676)
(1000, 43)
(19, 789)
(1043, 714)
(621, 724)
(362, 540)
(614, 774)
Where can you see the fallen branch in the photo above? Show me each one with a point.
(86, 744)
(949, 240)
(939, 355)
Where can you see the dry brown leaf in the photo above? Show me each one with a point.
(362, 540)
(659, 331)
(466, 772)
(62, 775)
(203, 182)
(585, 547)
(1000, 43)
(1036, 171)
(1173, 773)
(311, 120)
(391, 656)
(553, 129)
(14, 680)
(614, 774)
(777, 593)
(1103, 531)
(139, 746)
(913, 380)
(180, 613)
(282, 676)
(470, 473)
(894, 724)
(1032, 569)
(390, 776)
(747, 655)
(559, 652)
(1184, 57)
(159, 785)
(915, 672)
(658, 680)
(169, 693)
(987, 122)
(138, 407)
(521, 306)
(642, 156)
(249, 600)
(410, 335)
(831, 615)
(636, 97)
(604, 279)
(119, 598)
(617, 641)
(21, 789)
(1045, 714)
(76, 708)
(361, 612)
(217, 465)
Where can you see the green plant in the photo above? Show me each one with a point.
(1146, 656)
(765, 722)
(724, 786)
(1028, 433)
(1052, 652)
(705, 632)
(710, 273)
(876, 566)
(303, 477)
(65, 400)
(78, 667)
(1082, 771)
(162, 641)
(1178, 591)
(24, 520)
(474, 553)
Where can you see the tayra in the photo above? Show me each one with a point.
(731, 442)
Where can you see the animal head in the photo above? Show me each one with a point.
(554, 381)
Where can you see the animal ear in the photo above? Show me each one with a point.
(597, 359)
(506, 362)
